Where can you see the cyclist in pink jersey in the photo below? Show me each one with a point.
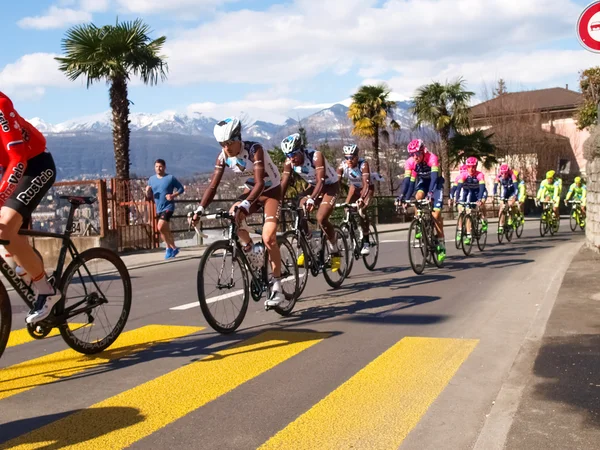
(421, 175)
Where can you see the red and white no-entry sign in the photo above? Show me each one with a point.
(588, 27)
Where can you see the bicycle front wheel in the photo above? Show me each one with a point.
(289, 277)
(335, 278)
(543, 225)
(351, 244)
(467, 241)
(481, 235)
(417, 247)
(96, 290)
(5, 318)
(371, 259)
(500, 234)
(223, 287)
(459, 230)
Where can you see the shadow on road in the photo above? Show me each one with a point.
(571, 365)
(92, 423)
(364, 308)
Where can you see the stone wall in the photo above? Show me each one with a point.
(592, 155)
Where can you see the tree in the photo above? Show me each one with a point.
(589, 82)
(500, 89)
(369, 111)
(112, 53)
(446, 108)
(477, 144)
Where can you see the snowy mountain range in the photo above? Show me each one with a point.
(170, 135)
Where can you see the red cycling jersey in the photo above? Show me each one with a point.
(20, 141)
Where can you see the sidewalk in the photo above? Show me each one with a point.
(560, 405)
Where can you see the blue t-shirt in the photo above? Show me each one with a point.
(160, 188)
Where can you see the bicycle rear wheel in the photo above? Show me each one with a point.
(335, 279)
(468, 224)
(371, 259)
(223, 287)
(5, 318)
(553, 226)
(520, 226)
(96, 290)
(289, 277)
(481, 235)
(417, 248)
(299, 247)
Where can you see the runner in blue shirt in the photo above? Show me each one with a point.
(160, 188)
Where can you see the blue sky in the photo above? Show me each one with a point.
(274, 59)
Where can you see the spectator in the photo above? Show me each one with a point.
(161, 187)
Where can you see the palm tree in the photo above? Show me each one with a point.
(369, 112)
(477, 144)
(112, 53)
(446, 108)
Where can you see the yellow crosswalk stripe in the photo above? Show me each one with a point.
(22, 336)
(378, 406)
(139, 412)
(47, 369)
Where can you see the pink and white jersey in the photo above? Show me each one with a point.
(422, 170)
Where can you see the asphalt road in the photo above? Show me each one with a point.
(391, 359)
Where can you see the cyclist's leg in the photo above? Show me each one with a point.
(39, 176)
(365, 219)
(438, 196)
(243, 231)
(271, 200)
(327, 201)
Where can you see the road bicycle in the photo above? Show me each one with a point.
(549, 222)
(472, 220)
(423, 243)
(508, 219)
(96, 292)
(577, 215)
(352, 228)
(313, 250)
(228, 276)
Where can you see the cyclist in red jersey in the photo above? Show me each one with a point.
(28, 172)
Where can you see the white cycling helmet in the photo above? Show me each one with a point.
(350, 150)
(229, 129)
(291, 144)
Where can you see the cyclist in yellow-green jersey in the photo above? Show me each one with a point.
(578, 191)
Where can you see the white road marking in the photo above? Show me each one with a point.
(216, 299)
(393, 240)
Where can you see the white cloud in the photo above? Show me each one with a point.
(56, 17)
(160, 6)
(31, 74)
(95, 5)
(519, 70)
(298, 40)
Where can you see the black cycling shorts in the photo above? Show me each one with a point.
(39, 176)
(165, 215)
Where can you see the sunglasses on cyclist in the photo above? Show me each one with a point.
(349, 157)
(227, 143)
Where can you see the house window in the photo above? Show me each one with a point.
(564, 166)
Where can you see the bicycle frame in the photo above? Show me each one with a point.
(318, 258)
(236, 245)
(26, 292)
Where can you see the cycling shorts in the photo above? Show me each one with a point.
(39, 176)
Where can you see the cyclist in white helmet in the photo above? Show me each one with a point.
(312, 167)
(361, 189)
(264, 188)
